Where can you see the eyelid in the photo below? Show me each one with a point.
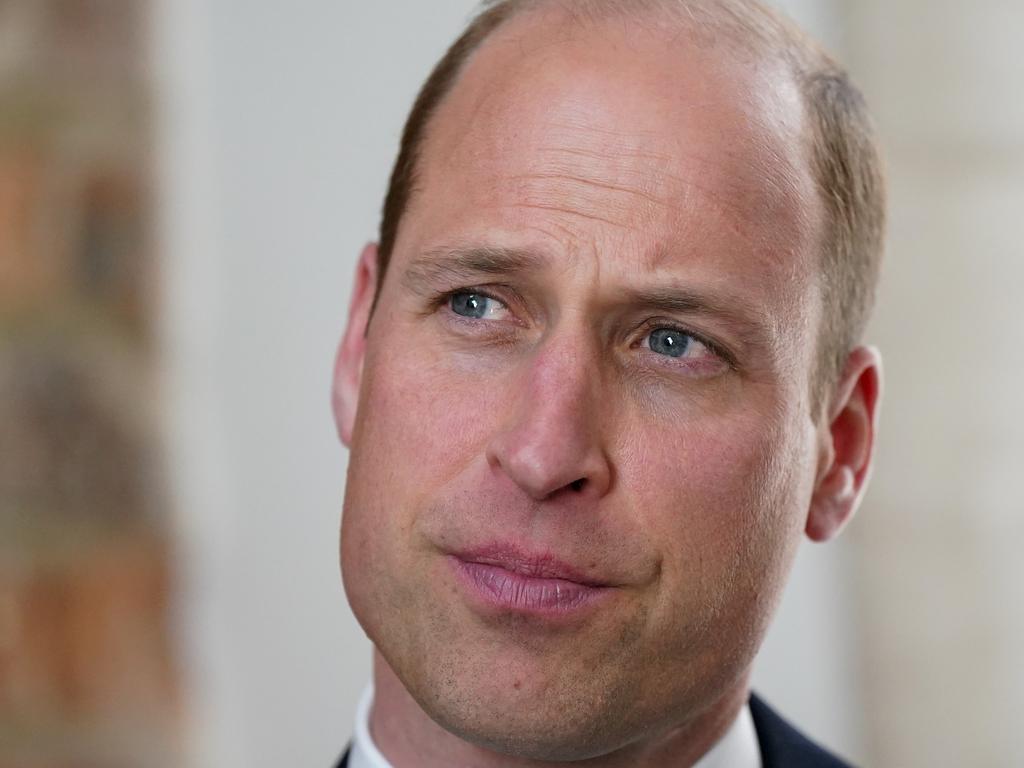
(492, 292)
(716, 348)
(443, 299)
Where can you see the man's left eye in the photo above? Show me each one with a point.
(477, 306)
(675, 343)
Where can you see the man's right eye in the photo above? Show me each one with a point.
(477, 306)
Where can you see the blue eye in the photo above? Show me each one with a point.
(669, 341)
(474, 305)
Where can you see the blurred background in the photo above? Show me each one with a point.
(184, 188)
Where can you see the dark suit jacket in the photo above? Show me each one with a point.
(782, 745)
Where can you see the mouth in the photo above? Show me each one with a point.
(504, 579)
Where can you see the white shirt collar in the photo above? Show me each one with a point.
(738, 748)
(364, 753)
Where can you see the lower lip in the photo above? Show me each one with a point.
(508, 591)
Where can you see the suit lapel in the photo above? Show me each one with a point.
(783, 746)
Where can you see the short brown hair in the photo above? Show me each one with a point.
(845, 160)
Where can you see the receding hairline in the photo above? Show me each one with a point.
(746, 24)
(743, 27)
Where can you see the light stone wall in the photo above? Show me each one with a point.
(940, 578)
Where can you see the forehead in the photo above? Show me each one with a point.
(642, 145)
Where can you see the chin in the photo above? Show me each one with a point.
(526, 710)
(532, 732)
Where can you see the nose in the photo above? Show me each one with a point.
(552, 442)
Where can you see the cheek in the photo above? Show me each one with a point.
(725, 497)
(719, 500)
(422, 420)
(419, 425)
(428, 417)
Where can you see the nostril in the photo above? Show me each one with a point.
(577, 485)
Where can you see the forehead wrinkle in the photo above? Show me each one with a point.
(754, 182)
(607, 176)
(565, 210)
(571, 124)
(559, 188)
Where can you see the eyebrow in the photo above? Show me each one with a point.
(446, 265)
(441, 265)
(750, 325)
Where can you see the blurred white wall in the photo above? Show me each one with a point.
(941, 579)
(280, 124)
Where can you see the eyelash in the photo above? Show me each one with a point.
(443, 299)
(649, 326)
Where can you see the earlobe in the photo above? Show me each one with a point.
(847, 445)
(348, 363)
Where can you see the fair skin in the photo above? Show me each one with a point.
(593, 345)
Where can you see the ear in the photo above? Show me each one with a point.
(846, 444)
(348, 364)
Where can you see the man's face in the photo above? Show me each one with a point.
(583, 452)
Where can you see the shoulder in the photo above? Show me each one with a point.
(783, 746)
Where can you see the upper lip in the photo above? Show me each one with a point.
(538, 565)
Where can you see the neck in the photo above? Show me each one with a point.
(407, 736)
